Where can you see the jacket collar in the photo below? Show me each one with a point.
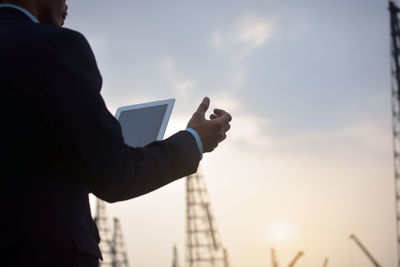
(9, 13)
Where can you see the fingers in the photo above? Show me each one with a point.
(203, 107)
(226, 117)
(223, 137)
(219, 113)
(213, 131)
(226, 128)
(213, 116)
(212, 148)
(223, 116)
(222, 119)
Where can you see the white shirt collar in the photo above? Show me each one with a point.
(23, 10)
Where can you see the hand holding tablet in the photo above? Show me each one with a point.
(144, 123)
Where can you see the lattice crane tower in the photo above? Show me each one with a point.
(395, 68)
(175, 259)
(203, 244)
(111, 245)
(120, 256)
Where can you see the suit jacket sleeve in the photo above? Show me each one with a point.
(90, 137)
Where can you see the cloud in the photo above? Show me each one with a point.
(249, 130)
(254, 30)
(179, 82)
(258, 141)
(249, 33)
(362, 139)
(238, 80)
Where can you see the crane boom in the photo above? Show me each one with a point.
(364, 249)
(296, 258)
(326, 262)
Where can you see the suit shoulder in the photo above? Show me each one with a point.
(62, 42)
(35, 39)
(29, 46)
(36, 33)
(57, 36)
(71, 43)
(65, 34)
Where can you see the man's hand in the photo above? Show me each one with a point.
(212, 131)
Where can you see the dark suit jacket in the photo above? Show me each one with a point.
(59, 143)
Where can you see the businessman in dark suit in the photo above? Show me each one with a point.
(60, 143)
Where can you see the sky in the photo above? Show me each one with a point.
(308, 160)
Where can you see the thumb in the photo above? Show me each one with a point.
(203, 107)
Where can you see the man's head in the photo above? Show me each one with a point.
(46, 11)
(52, 11)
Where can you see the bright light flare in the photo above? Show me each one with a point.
(280, 232)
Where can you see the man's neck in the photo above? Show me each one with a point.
(29, 5)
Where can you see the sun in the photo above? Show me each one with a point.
(280, 231)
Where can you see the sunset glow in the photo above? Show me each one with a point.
(280, 231)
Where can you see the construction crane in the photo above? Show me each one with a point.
(395, 84)
(226, 261)
(203, 244)
(325, 262)
(120, 258)
(274, 260)
(296, 258)
(103, 224)
(112, 244)
(175, 258)
(364, 249)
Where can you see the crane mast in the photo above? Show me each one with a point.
(395, 84)
(112, 244)
(175, 259)
(203, 243)
(364, 249)
(274, 262)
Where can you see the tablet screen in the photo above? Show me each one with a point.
(144, 123)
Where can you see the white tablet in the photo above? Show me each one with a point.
(144, 123)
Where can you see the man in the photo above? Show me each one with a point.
(60, 143)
